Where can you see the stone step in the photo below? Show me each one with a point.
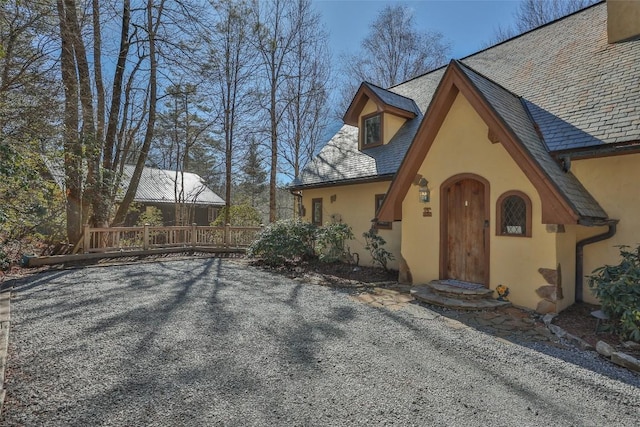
(425, 294)
(440, 287)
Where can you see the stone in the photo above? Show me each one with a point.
(404, 272)
(547, 292)
(548, 318)
(549, 275)
(557, 330)
(366, 298)
(578, 342)
(403, 298)
(631, 345)
(545, 307)
(626, 361)
(604, 349)
(383, 291)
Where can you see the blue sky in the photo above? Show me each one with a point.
(466, 24)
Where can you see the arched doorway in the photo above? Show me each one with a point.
(464, 229)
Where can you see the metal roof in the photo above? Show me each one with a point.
(161, 186)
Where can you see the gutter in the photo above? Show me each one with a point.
(612, 223)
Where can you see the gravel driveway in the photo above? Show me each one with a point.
(205, 342)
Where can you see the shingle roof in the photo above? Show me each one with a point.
(394, 99)
(157, 186)
(513, 111)
(581, 91)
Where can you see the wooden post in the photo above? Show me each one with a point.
(227, 235)
(87, 239)
(145, 237)
(194, 235)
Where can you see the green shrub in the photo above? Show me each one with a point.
(375, 245)
(330, 241)
(618, 288)
(151, 215)
(284, 241)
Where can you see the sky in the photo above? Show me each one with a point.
(466, 24)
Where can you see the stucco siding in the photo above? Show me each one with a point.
(462, 146)
(355, 206)
(613, 181)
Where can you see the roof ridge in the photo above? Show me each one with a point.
(517, 36)
(459, 62)
(500, 43)
(387, 90)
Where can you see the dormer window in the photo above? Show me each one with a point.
(371, 130)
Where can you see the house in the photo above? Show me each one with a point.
(162, 189)
(515, 166)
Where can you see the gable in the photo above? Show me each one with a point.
(564, 200)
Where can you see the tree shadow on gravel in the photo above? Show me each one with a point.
(569, 355)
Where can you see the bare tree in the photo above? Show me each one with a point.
(275, 34)
(534, 13)
(231, 63)
(394, 51)
(286, 37)
(306, 91)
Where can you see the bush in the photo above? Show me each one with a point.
(284, 241)
(374, 244)
(151, 215)
(330, 241)
(618, 288)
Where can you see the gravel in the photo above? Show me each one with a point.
(214, 342)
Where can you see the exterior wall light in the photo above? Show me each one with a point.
(423, 192)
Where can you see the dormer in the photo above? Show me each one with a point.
(378, 114)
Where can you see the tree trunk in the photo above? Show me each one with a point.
(72, 146)
(153, 100)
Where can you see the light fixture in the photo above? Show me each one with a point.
(423, 192)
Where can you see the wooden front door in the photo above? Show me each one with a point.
(466, 225)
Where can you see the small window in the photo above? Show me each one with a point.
(514, 214)
(381, 224)
(372, 130)
(316, 211)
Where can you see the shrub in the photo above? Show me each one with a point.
(618, 288)
(284, 241)
(330, 241)
(375, 245)
(151, 215)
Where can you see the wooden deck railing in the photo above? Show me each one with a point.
(114, 239)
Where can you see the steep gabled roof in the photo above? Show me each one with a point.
(385, 100)
(564, 199)
(581, 92)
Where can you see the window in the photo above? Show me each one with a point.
(514, 214)
(371, 130)
(316, 211)
(381, 224)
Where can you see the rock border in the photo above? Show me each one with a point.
(607, 351)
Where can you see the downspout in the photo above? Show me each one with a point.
(580, 254)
